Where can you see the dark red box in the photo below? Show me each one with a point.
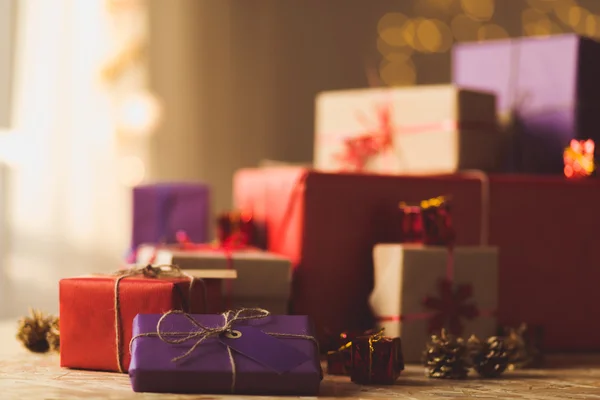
(328, 223)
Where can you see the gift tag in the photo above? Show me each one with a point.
(270, 351)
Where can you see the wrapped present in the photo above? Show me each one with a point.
(327, 224)
(424, 129)
(263, 278)
(242, 352)
(339, 361)
(160, 210)
(96, 312)
(376, 360)
(547, 88)
(419, 290)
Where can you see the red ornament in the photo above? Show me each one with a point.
(376, 360)
(236, 228)
(450, 307)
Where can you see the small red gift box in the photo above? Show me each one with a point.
(376, 360)
(96, 316)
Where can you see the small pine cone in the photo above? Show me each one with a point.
(32, 332)
(53, 336)
(490, 358)
(446, 357)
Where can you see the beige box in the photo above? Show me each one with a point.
(433, 129)
(405, 275)
(263, 279)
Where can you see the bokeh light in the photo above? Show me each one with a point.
(544, 6)
(481, 10)
(491, 32)
(578, 19)
(391, 28)
(464, 28)
(398, 73)
(394, 53)
(562, 10)
(433, 8)
(536, 23)
(592, 25)
(434, 36)
(131, 171)
(139, 114)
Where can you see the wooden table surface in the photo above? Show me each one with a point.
(28, 376)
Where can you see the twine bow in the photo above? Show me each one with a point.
(201, 333)
(148, 271)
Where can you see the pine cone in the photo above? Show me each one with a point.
(490, 358)
(523, 347)
(53, 336)
(446, 357)
(33, 331)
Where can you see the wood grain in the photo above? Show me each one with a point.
(29, 376)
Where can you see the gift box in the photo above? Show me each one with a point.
(376, 360)
(547, 92)
(414, 296)
(275, 355)
(161, 210)
(96, 317)
(424, 129)
(263, 279)
(327, 224)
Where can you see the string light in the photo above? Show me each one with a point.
(398, 73)
(392, 53)
(491, 32)
(480, 10)
(464, 28)
(434, 36)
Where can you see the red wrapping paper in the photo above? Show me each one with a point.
(87, 314)
(545, 228)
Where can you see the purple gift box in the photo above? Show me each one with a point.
(549, 85)
(273, 355)
(160, 210)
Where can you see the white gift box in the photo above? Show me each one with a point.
(263, 279)
(407, 274)
(433, 128)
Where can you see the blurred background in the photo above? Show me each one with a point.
(97, 96)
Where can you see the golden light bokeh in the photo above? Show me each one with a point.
(391, 28)
(481, 10)
(434, 36)
(398, 73)
(432, 8)
(544, 6)
(464, 29)
(491, 32)
(578, 19)
(592, 25)
(562, 10)
(409, 33)
(394, 53)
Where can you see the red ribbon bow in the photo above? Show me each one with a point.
(450, 307)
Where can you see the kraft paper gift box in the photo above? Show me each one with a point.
(161, 210)
(89, 336)
(424, 129)
(263, 278)
(413, 295)
(271, 356)
(548, 92)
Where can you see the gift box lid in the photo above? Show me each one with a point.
(262, 363)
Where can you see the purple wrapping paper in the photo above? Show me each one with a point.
(208, 368)
(160, 210)
(551, 85)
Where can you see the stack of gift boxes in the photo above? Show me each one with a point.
(363, 241)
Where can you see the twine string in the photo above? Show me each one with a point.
(149, 271)
(201, 333)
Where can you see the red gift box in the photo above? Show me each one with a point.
(328, 224)
(88, 337)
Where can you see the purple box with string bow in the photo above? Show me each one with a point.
(160, 210)
(263, 356)
(548, 92)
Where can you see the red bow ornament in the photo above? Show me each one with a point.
(359, 150)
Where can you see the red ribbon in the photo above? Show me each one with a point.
(358, 150)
